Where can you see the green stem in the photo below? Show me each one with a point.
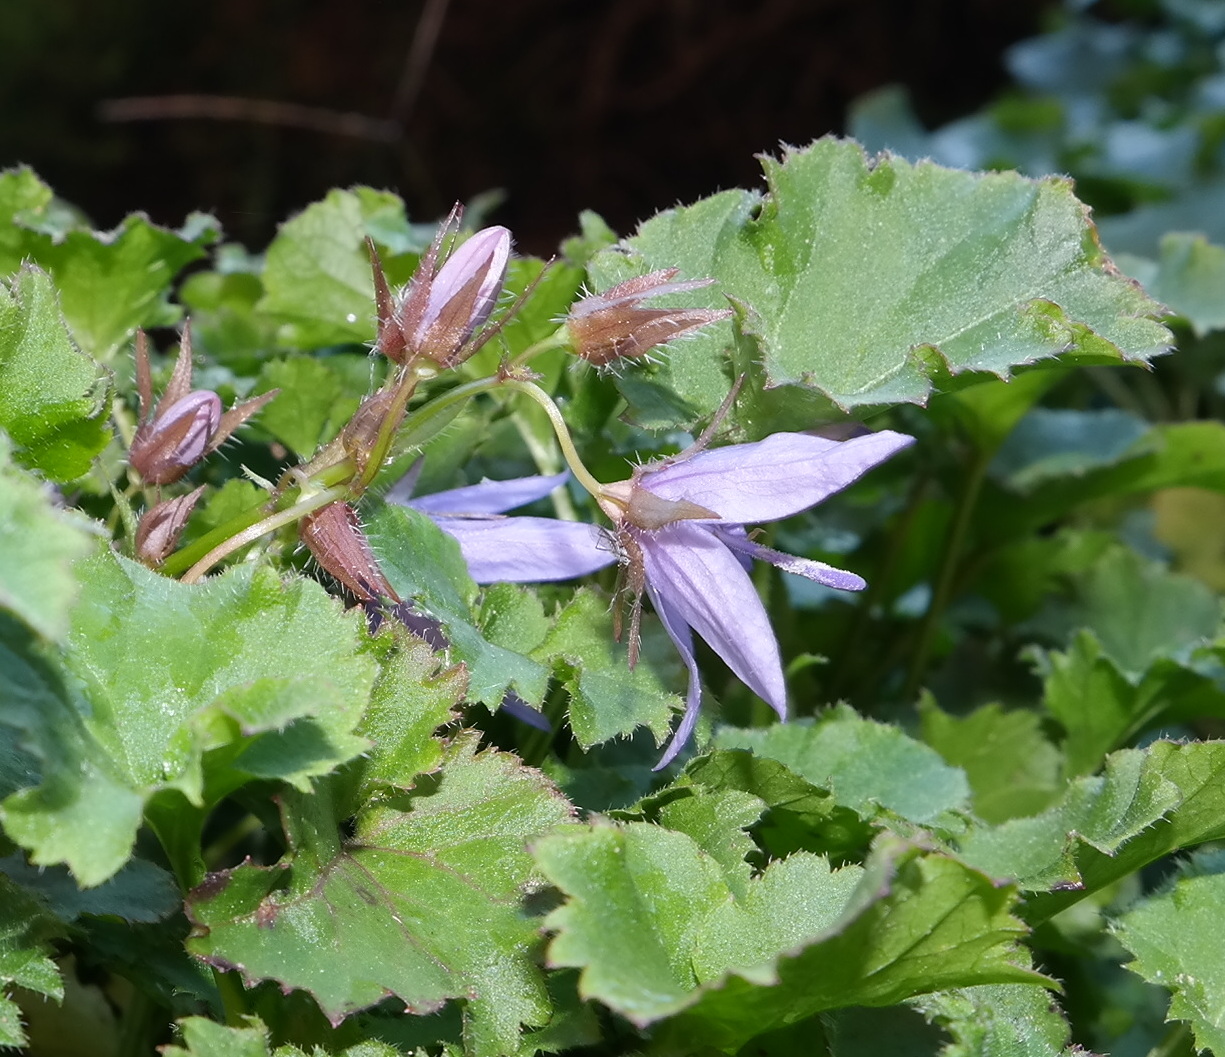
(559, 339)
(565, 442)
(1175, 1043)
(954, 542)
(233, 996)
(261, 528)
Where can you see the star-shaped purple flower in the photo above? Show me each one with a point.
(681, 527)
(512, 549)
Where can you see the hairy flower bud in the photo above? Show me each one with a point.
(176, 438)
(335, 538)
(612, 326)
(187, 424)
(444, 306)
(160, 527)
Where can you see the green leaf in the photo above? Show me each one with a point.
(110, 282)
(1140, 612)
(141, 891)
(999, 1020)
(51, 396)
(1174, 937)
(1190, 278)
(874, 280)
(413, 697)
(424, 564)
(866, 765)
(313, 405)
(1012, 768)
(317, 277)
(25, 928)
(207, 1038)
(1103, 813)
(801, 815)
(264, 674)
(39, 543)
(716, 822)
(607, 699)
(656, 930)
(422, 905)
(1051, 443)
(1183, 454)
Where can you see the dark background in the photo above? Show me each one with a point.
(622, 106)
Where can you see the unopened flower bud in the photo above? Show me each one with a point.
(335, 538)
(176, 438)
(445, 306)
(160, 527)
(187, 425)
(612, 326)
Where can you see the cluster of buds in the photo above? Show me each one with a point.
(186, 425)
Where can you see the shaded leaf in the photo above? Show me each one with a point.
(1012, 767)
(999, 1020)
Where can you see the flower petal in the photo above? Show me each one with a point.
(527, 549)
(682, 638)
(488, 497)
(771, 478)
(828, 575)
(703, 584)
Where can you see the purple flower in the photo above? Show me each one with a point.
(682, 521)
(680, 529)
(512, 549)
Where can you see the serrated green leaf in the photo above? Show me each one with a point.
(999, 1020)
(422, 905)
(865, 764)
(424, 564)
(317, 277)
(40, 544)
(266, 675)
(872, 280)
(206, 1038)
(413, 697)
(110, 282)
(25, 928)
(1104, 812)
(50, 394)
(716, 822)
(1012, 767)
(656, 931)
(801, 815)
(607, 699)
(1174, 937)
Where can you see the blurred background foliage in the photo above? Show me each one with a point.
(622, 106)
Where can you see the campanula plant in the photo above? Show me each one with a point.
(336, 721)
